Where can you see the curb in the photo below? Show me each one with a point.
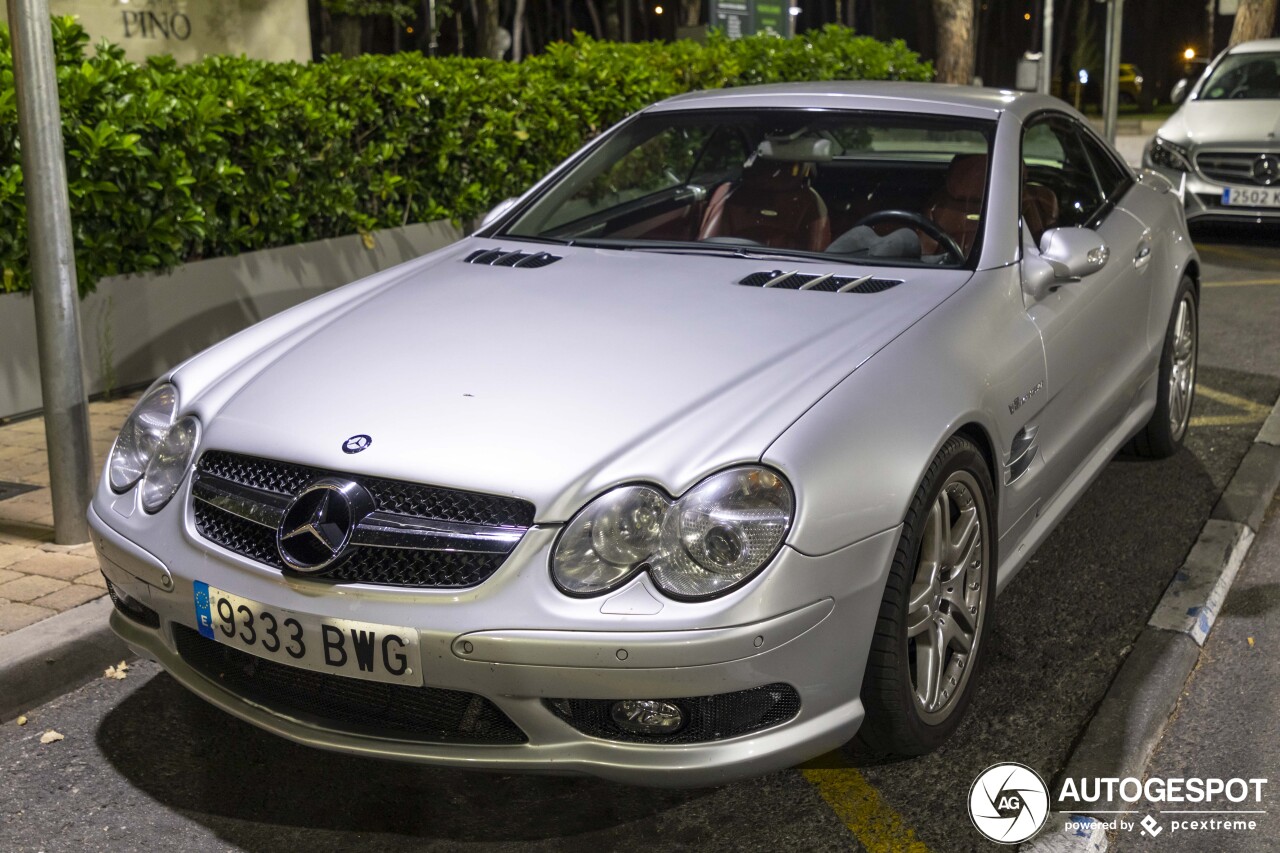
(1122, 735)
(56, 655)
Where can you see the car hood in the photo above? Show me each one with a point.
(1203, 123)
(549, 383)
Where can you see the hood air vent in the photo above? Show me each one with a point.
(499, 258)
(830, 282)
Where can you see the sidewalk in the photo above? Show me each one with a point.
(37, 578)
(1227, 724)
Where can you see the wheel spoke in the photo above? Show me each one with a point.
(918, 620)
(930, 652)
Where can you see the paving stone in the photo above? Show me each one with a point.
(63, 567)
(10, 554)
(6, 575)
(68, 597)
(29, 587)
(10, 451)
(14, 615)
(93, 578)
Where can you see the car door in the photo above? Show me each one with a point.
(1093, 329)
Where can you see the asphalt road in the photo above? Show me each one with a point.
(144, 766)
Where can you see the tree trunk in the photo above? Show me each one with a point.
(953, 20)
(347, 33)
(486, 18)
(690, 13)
(1255, 19)
(595, 19)
(517, 31)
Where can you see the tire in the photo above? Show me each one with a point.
(922, 612)
(1163, 434)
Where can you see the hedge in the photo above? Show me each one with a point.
(171, 163)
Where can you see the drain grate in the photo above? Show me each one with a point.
(12, 490)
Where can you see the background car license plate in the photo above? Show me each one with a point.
(1251, 196)
(336, 646)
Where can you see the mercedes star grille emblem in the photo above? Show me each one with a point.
(356, 443)
(317, 526)
(1266, 169)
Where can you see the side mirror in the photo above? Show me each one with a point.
(1066, 254)
(1179, 92)
(496, 212)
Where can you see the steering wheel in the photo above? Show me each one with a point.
(915, 220)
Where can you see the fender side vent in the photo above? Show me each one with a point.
(1021, 453)
(499, 258)
(830, 282)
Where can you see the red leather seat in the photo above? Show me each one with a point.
(774, 205)
(957, 207)
(1039, 209)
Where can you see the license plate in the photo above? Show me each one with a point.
(336, 646)
(1251, 196)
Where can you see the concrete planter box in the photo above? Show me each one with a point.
(133, 328)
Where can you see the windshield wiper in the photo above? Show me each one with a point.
(723, 250)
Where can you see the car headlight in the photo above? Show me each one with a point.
(1167, 155)
(169, 464)
(141, 434)
(720, 533)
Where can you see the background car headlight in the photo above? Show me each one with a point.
(169, 464)
(720, 533)
(1167, 155)
(141, 434)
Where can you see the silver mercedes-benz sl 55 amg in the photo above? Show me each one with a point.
(705, 455)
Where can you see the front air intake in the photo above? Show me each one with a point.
(828, 282)
(500, 258)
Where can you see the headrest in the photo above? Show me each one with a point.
(967, 177)
(803, 149)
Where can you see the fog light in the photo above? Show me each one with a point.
(647, 716)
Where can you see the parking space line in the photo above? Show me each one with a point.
(1250, 412)
(1250, 255)
(1252, 282)
(878, 828)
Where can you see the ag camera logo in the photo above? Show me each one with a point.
(1008, 803)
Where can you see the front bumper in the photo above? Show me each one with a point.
(1202, 200)
(806, 622)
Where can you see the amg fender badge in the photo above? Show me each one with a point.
(1018, 402)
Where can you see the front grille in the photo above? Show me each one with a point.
(708, 718)
(426, 714)
(1232, 167)
(391, 566)
(828, 282)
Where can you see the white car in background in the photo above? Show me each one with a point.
(1222, 148)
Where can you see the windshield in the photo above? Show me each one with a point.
(1244, 75)
(864, 187)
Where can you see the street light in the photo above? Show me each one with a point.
(1189, 54)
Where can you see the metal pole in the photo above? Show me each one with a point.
(53, 269)
(626, 20)
(1046, 51)
(1111, 80)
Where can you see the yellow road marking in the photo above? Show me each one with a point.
(1251, 282)
(1250, 255)
(1251, 412)
(878, 828)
